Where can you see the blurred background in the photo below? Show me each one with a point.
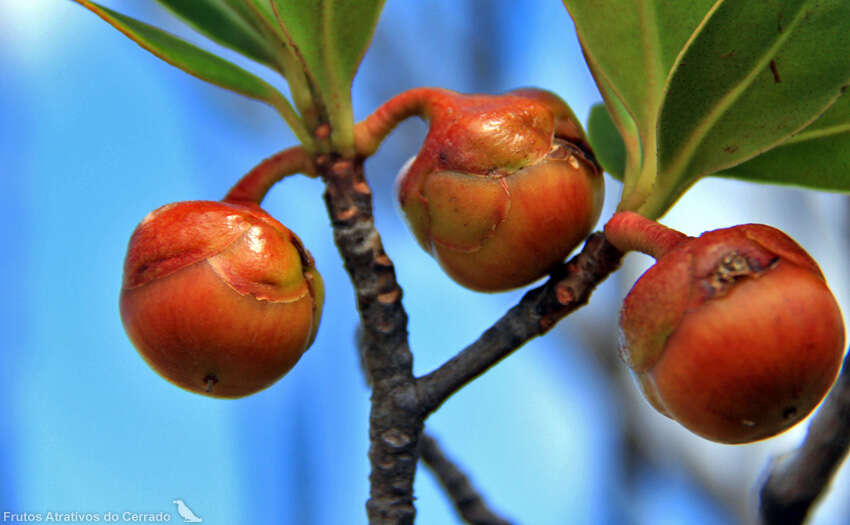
(95, 133)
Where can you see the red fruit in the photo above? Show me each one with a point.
(733, 334)
(504, 187)
(219, 298)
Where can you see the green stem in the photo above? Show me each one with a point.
(285, 109)
(643, 185)
(341, 120)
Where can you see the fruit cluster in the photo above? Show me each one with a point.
(221, 299)
(734, 334)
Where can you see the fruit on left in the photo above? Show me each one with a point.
(218, 297)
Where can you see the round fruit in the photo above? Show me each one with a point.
(219, 298)
(504, 187)
(733, 334)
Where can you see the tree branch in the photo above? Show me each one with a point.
(401, 403)
(467, 500)
(568, 288)
(395, 419)
(795, 481)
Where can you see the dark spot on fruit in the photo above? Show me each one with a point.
(209, 381)
(789, 412)
(731, 268)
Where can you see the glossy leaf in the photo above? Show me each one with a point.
(224, 21)
(250, 27)
(262, 16)
(817, 157)
(755, 73)
(330, 38)
(606, 141)
(199, 63)
(632, 45)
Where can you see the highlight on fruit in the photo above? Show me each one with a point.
(734, 334)
(504, 186)
(219, 297)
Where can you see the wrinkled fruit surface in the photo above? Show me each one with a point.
(734, 334)
(220, 299)
(503, 189)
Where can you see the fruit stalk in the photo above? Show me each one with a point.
(255, 184)
(630, 231)
(370, 132)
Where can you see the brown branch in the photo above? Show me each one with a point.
(400, 403)
(796, 481)
(467, 500)
(568, 289)
(395, 419)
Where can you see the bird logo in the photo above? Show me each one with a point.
(185, 512)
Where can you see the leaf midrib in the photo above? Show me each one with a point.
(654, 66)
(805, 136)
(685, 156)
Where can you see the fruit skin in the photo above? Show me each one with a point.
(219, 298)
(503, 189)
(734, 334)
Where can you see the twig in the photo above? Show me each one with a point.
(395, 420)
(467, 500)
(797, 480)
(569, 288)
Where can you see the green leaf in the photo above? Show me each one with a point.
(224, 22)
(817, 157)
(630, 47)
(200, 63)
(633, 44)
(606, 141)
(330, 38)
(755, 73)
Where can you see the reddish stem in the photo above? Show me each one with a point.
(369, 132)
(630, 231)
(254, 185)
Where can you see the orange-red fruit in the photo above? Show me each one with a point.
(219, 298)
(734, 334)
(503, 189)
